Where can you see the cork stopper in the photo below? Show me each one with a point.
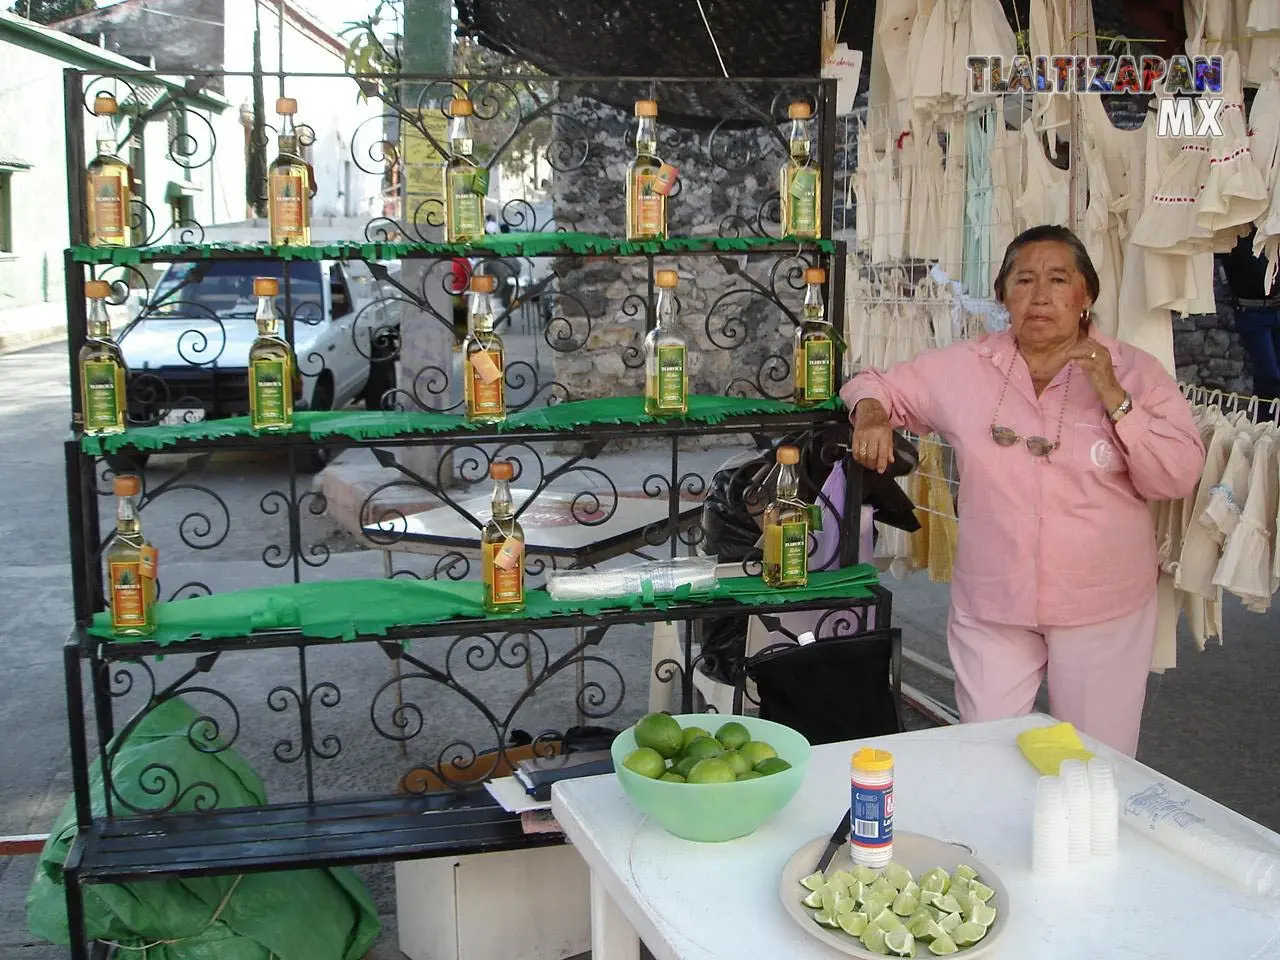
(788, 455)
(502, 470)
(265, 286)
(286, 106)
(646, 108)
(127, 485)
(667, 279)
(104, 105)
(800, 111)
(97, 289)
(461, 107)
(815, 275)
(483, 283)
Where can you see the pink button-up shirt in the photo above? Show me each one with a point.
(1062, 541)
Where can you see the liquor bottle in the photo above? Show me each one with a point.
(814, 358)
(465, 182)
(102, 369)
(646, 197)
(799, 187)
(502, 546)
(483, 387)
(666, 389)
(109, 179)
(786, 527)
(131, 566)
(290, 184)
(271, 365)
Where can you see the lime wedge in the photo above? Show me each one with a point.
(948, 904)
(943, 945)
(898, 875)
(925, 929)
(844, 876)
(981, 891)
(845, 904)
(872, 906)
(814, 881)
(857, 890)
(936, 880)
(967, 934)
(854, 924)
(873, 940)
(886, 920)
(900, 942)
(929, 897)
(966, 871)
(884, 888)
(826, 919)
(904, 905)
(959, 889)
(912, 889)
(866, 874)
(984, 915)
(814, 900)
(950, 922)
(836, 884)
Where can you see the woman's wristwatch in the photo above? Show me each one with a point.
(1125, 406)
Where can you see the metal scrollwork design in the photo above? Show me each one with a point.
(324, 694)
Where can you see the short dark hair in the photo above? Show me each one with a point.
(1056, 234)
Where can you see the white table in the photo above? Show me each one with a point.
(697, 901)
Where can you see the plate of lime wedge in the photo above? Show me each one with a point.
(934, 899)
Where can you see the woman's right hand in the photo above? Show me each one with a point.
(872, 436)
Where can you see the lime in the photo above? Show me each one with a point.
(936, 880)
(866, 874)
(829, 900)
(771, 765)
(984, 915)
(845, 877)
(757, 750)
(912, 889)
(855, 888)
(967, 934)
(703, 748)
(854, 924)
(960, 889)
(904, 905)
(750, 775)
(660, 732)
(647, 762)
(733, 735)
(981, 891)
(887, 920)
(948, 904)
(919, 922)
(965, 871)
(684, 765)
(845, 904)
(814, 900)
(883, 888)
(950, 922)
(898, 875)
(929, 898)
(929, 930)
(943, 945)
(711, 771)
(836, 884)
(900, 942)
(873, 906)
(873, 940)
(672, 777)
(690, 734)
(826, 919)
(814, 881)
(737, 761)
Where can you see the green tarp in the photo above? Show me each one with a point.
(322, 914)
(351, 608)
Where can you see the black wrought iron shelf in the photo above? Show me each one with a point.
(543, 244)
(590, 419)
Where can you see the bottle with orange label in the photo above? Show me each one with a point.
(131, 566)
(290, 184)
(502, 546)
(649, 180)
(483, 387)
(109, 182)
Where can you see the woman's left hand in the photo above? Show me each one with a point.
(1095, 360)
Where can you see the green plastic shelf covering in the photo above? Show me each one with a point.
(383, 425)
(348, 609)
(501, 245)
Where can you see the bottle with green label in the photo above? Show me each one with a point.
(786, 527)
(815, 348)
(465, 182)
(666, 355)
(102, 368)
(271, 365)
(800, 179)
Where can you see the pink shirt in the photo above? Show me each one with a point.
(1062, 541)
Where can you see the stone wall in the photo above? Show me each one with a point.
(1207, 350)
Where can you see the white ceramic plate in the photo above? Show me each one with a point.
(917, 853)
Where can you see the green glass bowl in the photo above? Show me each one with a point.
(714, 812)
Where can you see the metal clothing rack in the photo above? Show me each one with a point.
(1226, 400)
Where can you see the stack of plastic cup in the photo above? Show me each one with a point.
(1075, 784)
(1104, 840)
(1050, 831)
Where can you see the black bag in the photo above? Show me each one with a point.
(830, 690)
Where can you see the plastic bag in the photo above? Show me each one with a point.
(657, 576)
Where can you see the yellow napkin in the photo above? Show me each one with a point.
(1047, 747)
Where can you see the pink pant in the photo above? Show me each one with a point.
(1097, 673)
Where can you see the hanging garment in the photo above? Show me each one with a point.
(1263, 17)
(943, 528)
(979, 125)
(1234, 192)
(864, 198)
(1264, 122)
(1005, 188)
(857, 305)
(890, 77)
(951, 222)
(925, 204)
(1049, 33)
(989, 34)
(1046, 195)
(886, 198)
(1245, 567)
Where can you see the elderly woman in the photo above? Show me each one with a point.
(1061, 435)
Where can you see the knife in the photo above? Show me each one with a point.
(838, 838)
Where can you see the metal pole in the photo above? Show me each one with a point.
(1077, 184)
